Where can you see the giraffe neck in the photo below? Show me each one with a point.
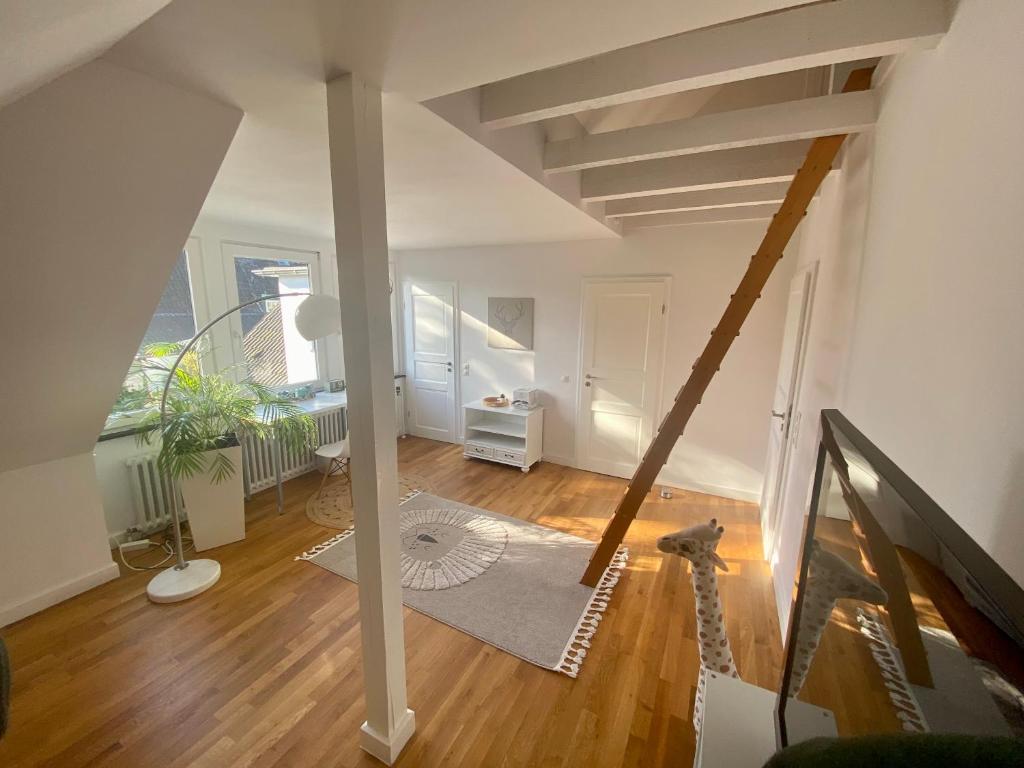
(715, 653)
(819, 601)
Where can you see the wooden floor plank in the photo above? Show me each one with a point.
(264, 670)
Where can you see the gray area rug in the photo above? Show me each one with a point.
(508, 582)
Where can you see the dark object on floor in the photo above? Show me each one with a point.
(898, 750)
(5, 688)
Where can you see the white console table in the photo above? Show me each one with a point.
(506, 435)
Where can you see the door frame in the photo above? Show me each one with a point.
(659, 408)
(770, 535)
(406, 343)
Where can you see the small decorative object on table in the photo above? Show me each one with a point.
(499, 401)
(525, 398)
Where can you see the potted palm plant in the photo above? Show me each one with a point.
(205, 419)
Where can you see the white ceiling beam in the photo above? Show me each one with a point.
(728, 197)
(799, 38)
(708, 216)
(787, 121)
(711, 170)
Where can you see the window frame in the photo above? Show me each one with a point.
(197, 297)
(230, 249)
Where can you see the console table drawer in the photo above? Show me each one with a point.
(512, 457)
(472, 449)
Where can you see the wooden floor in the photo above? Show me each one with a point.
(264, 669)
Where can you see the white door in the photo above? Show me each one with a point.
(622, 346)
(430, 369)
(782, 430)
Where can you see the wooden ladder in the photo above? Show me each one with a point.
(801, 191)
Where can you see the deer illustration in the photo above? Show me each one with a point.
(509, 314)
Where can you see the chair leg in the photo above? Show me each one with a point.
(327, 473)
(348, 479)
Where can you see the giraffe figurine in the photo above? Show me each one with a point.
(829, 578)
(697, 544)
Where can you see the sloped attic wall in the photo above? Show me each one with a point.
(102, 174)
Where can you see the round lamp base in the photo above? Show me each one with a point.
(172, 585)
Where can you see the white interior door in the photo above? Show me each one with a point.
(782, 430)
(622, 346)
(431, 363)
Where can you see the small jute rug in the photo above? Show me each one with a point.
(333, 508)
(508, 582)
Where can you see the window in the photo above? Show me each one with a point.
(173, 322)
(269, 346)
(175, 317)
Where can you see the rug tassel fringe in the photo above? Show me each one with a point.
(322, 547)
(888, 660)
(576, 649)
(319, 548)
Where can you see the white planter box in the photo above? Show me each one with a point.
(216, 511)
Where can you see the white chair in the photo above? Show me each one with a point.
(337, 456)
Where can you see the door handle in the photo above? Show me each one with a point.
(777, 415)
(595, 378)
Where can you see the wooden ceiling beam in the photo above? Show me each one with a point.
(787, 121)
(704, 199)
(711, 170)
(702, 216)
(798, 38)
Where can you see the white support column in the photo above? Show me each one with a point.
(357, 176)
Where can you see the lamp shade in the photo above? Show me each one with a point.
(318, 316)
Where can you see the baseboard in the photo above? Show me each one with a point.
(563, 461)
(738, 494)
(57, 594)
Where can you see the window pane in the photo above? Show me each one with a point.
(174, 319)
(275, 353)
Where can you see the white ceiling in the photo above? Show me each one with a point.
(42, 39)
(271, 58)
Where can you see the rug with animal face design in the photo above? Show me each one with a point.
(443, 548)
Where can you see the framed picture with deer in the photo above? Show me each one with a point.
(510, 323)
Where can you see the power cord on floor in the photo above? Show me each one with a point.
(167, 545)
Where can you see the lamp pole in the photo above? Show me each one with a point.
(188, 578)
(175, 517)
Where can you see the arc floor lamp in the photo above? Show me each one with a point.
(316, 317)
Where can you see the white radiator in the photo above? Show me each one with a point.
(258, 455)
(152, 492)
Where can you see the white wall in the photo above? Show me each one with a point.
(53, 543)
(936, 373)
(927, 248)
(723, 450)
(102, 174)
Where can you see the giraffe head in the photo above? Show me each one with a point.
(843, 579)
(696, 543)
